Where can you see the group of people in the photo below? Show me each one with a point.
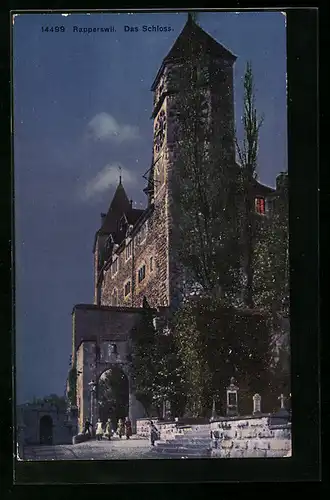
(124, 428)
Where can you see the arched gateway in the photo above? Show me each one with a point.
(101, 341)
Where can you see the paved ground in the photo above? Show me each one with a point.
(115, 449)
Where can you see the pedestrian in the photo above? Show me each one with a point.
(120, 428)
(87, 427)
(99, 430)
(154, 433)
(216, 437)
(128, 428)
(108, 429)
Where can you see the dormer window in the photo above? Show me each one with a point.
(260, 205)
(123, 224)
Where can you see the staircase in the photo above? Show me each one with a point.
(188, 442)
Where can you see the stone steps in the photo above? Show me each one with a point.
(182, 452)
(190, 446)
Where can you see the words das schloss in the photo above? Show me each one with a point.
(147, 28)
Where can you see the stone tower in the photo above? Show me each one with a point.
(134, 254)
(195, 51)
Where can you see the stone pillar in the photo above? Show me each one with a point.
(232, 398)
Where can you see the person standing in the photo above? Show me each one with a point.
(128, 428)
(99, 430)
(154, 433)
(87, 427)
(108, 429)
(120, 428)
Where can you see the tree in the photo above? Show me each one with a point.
(216, 343)
(72, 386)
(271, 283)
(52, 399)
(248, 156)
(154, 366)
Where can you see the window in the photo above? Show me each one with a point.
(260, 205)
(142, 234)
(141, 273)
(114, 267)
(151, 263)
(127, 288)
(270, 206)
(115, 298)
(112, 350)
(128, 251)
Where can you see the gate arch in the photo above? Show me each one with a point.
(112, 394)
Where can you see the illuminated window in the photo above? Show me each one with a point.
(260, 205)
(141, 273)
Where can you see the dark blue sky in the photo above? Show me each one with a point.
(82, 106)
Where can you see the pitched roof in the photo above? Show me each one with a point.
(193, 36)
(119, 205)
(262, 189)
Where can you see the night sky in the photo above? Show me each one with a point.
(82, 106)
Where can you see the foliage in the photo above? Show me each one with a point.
(271, 284)
(216, 343)
(53, 399)
(72, 386)
(154, 365)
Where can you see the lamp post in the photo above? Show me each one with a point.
(92, 386)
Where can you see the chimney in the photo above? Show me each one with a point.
(131, 203)
(102, 217)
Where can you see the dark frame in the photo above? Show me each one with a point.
(302, 53)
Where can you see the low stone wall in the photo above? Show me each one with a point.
(80, 438)
(250, 437)
(168, 429)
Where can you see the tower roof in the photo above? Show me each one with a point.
(193, 36)
(120, 204)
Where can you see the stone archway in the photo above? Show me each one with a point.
(46, 430)
(113, 395)
(101, 340)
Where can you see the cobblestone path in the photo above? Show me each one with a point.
(92, 450)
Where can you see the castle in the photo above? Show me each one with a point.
(133, 259)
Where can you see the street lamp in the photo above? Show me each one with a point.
(92, 386)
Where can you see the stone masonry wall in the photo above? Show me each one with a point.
(251, 437)
(153, 253)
